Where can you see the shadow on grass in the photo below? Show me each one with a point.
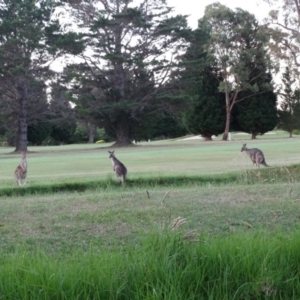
(110, 183)
(253, 176)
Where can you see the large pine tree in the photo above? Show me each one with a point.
(199, 81)
(130, 49)
(289, 113)
(206, 115)
(257, 113)
(29, 38)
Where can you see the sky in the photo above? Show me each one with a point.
(195, 8)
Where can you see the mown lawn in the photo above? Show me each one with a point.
(167, 158)
(109, 218)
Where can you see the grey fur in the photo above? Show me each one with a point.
(256, 156)
(118, 167)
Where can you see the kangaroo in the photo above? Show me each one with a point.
(21, 170)
(118, 167)
(256, 156)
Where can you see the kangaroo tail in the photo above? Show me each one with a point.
(265, 164)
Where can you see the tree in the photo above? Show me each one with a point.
(161, 124)
(284, 18)
(84, 109)
(289, 113)
(39, 132)
(207, 115)
(199, 81)
(90, 129)
(4, 119)
(62, 114)
(258, 114)
(236, 38)
(13, 108)
(132, 46)
(30, 36)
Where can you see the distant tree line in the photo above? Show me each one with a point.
(135, 71)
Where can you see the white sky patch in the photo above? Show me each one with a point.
(195, 8)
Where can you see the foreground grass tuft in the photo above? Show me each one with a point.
(162, 266)
(271, 175)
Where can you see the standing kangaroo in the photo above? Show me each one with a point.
(21, 170)
(256, 156)
(118, 167)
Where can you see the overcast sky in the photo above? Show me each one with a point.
(195, 8)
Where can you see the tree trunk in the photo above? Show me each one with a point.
(291, 134)
(122, 133)
(21, 142)
(230, 101)
(253, 136)
(227, 125)
(22, 135)
(208, 138)
(92, 131)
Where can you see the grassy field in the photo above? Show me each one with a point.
(195, 221)
(154, 159)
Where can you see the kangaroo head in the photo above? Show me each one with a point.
(111, 154)
(244, 147)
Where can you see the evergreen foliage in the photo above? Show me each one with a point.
(289, 113)
(257, 114)
(119, 82)
(39, 132)
(161, 125)
(62, 115)
(207, 114)
(30, 36)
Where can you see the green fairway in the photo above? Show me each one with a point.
(154, 159)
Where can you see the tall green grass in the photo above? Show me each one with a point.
(271, 175)
(163, 265)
